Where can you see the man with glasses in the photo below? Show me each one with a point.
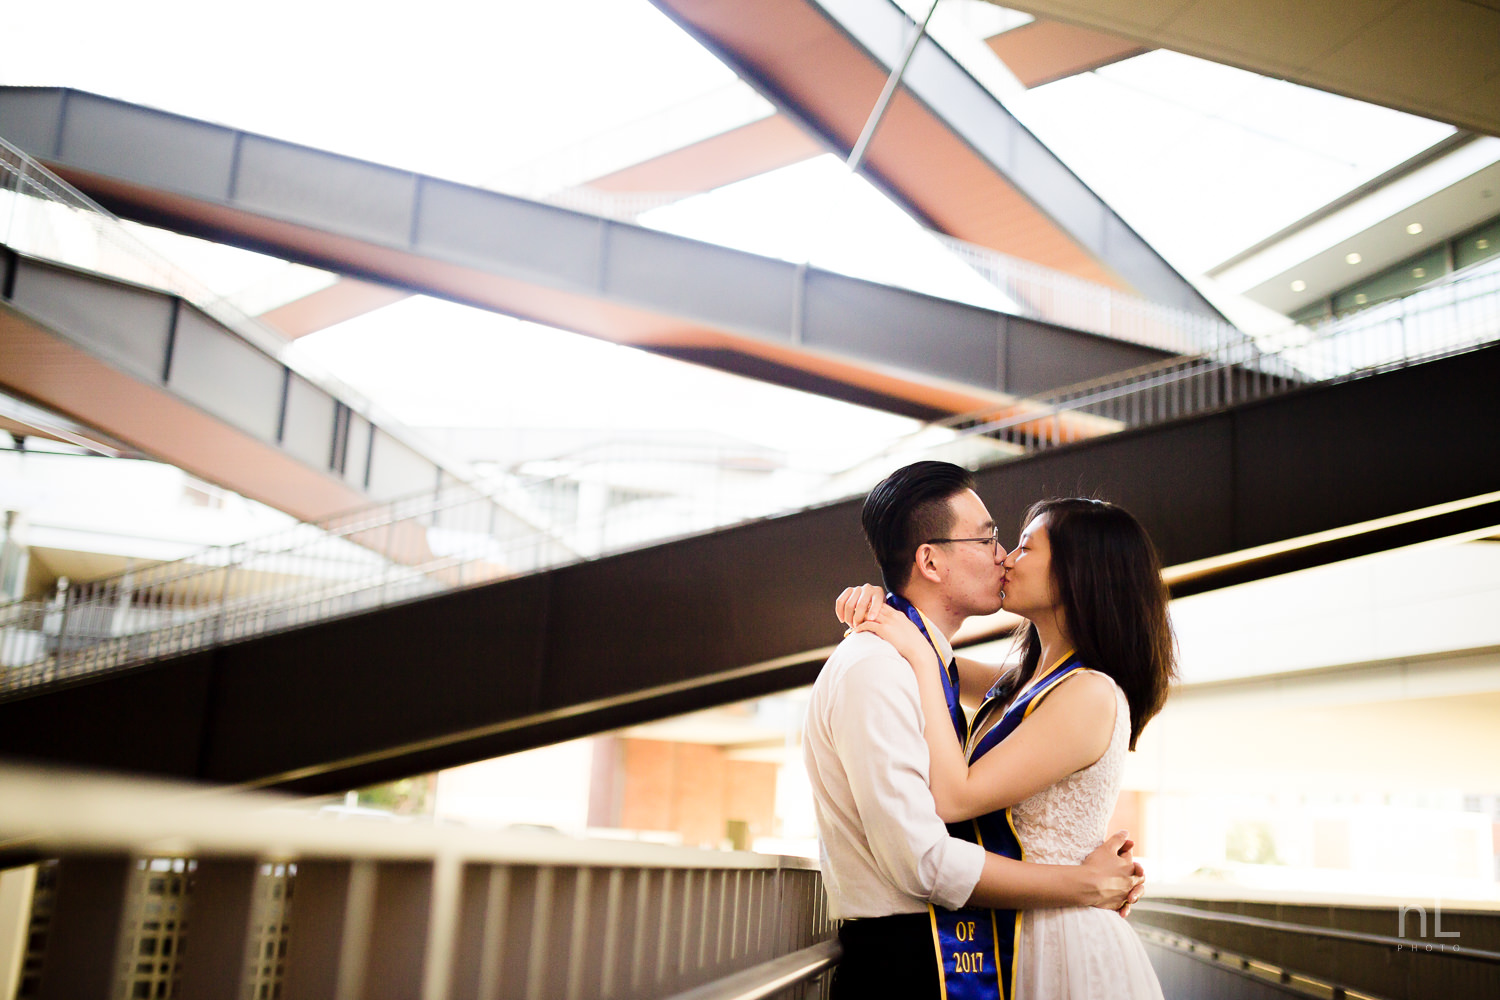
(887, 858)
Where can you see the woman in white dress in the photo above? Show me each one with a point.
(1047, 746)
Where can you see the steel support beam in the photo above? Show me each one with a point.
(857, 154)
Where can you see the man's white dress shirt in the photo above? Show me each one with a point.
(883, 848)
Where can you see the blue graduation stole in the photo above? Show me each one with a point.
(965, 940)
(949, 672)
(977, 947)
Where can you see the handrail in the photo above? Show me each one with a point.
(274, 897)
(1330, 933)
(43, 816)
(770, 977)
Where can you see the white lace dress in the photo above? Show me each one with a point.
(1082, 953)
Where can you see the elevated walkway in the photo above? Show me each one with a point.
(153, 371)
(95, 327)
(1308, 476)
(947, 148)
(873, 344)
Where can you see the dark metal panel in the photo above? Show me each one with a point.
(128, 325)
(1326, 456)
(395, 470)
(499, 233)
(31, 118)
(343, 195)
(412, 672)
(1176, 479)
(1040, 357)
(83, 950)
(403, 907)
(566, 643)
(325, 927)
(155, 148)
(229, 378)
(900, 328)
(307, 430)
(144, 720)
(222, 901)
(700, 280)
(672, 613)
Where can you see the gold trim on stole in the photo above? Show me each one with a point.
(937, 949)
(1015, 953)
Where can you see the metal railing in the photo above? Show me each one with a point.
(43, 216)
(1331, 948)
(149, 889)
(1455, 316)
(455, 536)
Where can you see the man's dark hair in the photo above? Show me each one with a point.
(910, 506)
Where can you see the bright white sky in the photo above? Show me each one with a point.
(1201, 159)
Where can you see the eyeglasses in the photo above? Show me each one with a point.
(992, 540)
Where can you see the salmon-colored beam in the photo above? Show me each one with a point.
(738, 154)
(1043, 51)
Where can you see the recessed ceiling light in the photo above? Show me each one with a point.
(1415, 228)
(1352, 258)
(1299, 285)
(1361, 298)
(1481, 244)
(1419, 272)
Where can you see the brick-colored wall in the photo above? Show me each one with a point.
(693, 789)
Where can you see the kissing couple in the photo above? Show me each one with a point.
(966, 855)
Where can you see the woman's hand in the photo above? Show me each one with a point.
(1113, 878)
(898, 630)
(857, 603)
(863, 609)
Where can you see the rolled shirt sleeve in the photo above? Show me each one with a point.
(876, 727)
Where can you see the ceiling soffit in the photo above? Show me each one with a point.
(1434, 58)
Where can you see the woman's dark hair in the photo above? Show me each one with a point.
(909, 506)
(1107, 578)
